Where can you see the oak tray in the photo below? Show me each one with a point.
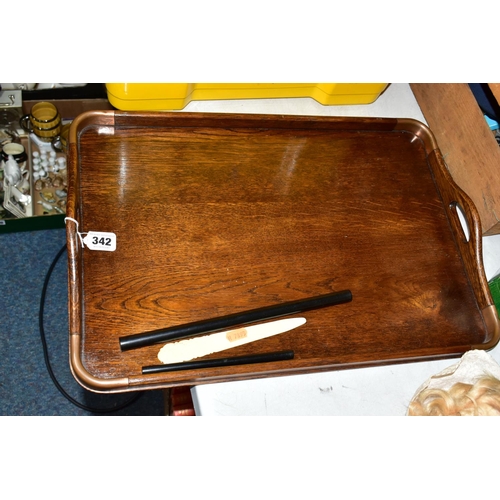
(216, 214)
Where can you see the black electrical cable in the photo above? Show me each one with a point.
(46, 352)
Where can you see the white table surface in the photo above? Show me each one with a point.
(381, 391)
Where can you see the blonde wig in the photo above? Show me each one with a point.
(479, 399)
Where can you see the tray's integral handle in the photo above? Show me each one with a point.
(466, 224)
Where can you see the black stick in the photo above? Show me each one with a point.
(242, 318)
(211, 363)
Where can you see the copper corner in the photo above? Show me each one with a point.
(105, 118)
(420, 130)
(85, 379)
(492, 322)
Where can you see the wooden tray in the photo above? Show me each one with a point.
(217, 214)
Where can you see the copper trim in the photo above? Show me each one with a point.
(90, 118)
(422, 131)
(84, 377)
(79, 371)
(490, 316)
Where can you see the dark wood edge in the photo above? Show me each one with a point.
(74, 246)
(75, 327)
(156, 119)
(141, 382)
(470, 249)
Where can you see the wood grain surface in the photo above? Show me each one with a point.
(467, 144)
(218, 214)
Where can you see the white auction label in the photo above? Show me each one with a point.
(96, 240)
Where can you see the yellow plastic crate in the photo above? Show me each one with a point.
(172, 96)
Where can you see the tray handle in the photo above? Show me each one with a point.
(466, 224)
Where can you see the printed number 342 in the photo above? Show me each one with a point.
(101, 241)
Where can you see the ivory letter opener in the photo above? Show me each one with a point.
(186, 350)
